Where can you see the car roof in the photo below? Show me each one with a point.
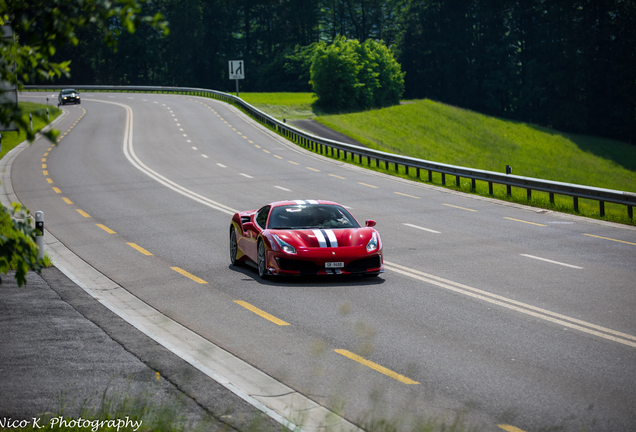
(69, 90)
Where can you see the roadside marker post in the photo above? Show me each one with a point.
(39, 233)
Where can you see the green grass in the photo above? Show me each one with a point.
(12, 139)
(288, 106)
(441, 133)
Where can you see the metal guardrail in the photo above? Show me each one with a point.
(333, 148)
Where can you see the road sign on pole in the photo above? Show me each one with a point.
(237, 72)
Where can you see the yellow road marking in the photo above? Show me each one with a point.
(266, 151)
(67, 201)
(519, 220)
(83, 213)
(279, 157)
(105, 228)
(139, 248)
(376, 367)
(49, 180)
(261, 313)
(43, 166)
(257, 146)
(341, 178)
(406, 195)
(188, 275)
(250, 141)
(607, 238)
(371, 186)
(463, 208)
(57, 190)
(45, 173)
(525, 308)
(292, 162)
(46, 153)
(313, 169)
(509, 428)
(43, 159)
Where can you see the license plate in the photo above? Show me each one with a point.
(334, 265)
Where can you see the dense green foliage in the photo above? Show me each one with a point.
(18, 250)
(570, 65)
(566, 64)
(42, 27)
(349, 75)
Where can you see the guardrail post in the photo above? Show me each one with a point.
(630, 212)
(430, 176)
(551, 197)
(601, 208)
(417, 172)
(529, 194)
(490, 191)
(473, 184)
(31, 121)
(39, 233)
(576, 203)
(458, 181)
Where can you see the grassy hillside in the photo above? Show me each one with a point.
(442, 133)
(283, 105)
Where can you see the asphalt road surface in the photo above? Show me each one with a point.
(498, 313)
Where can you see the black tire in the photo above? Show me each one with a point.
(234, 248)
(262, 264)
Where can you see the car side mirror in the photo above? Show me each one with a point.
(370, 223)
(248, 226)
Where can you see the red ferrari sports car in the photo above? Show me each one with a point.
(305, 237)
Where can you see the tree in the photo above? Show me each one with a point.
(40, 28)
(17, 243)
(348, 75)
(43, 26)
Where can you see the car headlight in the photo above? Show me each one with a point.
(284, 246)
(373, 243)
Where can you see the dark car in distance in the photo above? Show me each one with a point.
(68, 96)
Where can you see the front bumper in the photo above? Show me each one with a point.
(312, 262)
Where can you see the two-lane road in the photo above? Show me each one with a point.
(509, 315)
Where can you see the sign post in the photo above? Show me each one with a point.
(236, 72)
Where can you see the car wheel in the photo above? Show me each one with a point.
(234, 248)
(262, 261)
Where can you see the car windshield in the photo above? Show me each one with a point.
(311, 216)
(68, 92)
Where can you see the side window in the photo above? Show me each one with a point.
(261, 216)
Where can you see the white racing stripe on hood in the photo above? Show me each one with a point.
(329, 241)
(332, 237)
(320, 237)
